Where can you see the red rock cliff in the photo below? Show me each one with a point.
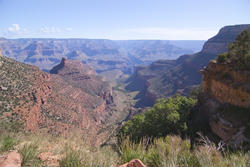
(226, 102)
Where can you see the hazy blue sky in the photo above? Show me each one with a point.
(120, 19)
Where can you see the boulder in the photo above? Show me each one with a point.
(4, 88)
(134, 163)
(12, 159)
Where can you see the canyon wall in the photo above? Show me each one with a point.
(225, 103)
(227, 85)
(164, 78)
(74, 97)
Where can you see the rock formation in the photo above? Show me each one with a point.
(73, 98)
(225, 103)
(227, 85)
(81, 76)
(134, 163)
(12, 159)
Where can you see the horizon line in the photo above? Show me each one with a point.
(1, 38)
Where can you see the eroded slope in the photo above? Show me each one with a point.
(74, 99)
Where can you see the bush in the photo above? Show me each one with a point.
(155, 156)
(29, 154)
(167, 116)
(195, 92)
(71, 159)
(222, 58)
(130, 150)
(8, 143)
(238, 52)
(186, 158)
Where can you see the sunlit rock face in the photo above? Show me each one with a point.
(225, 100)
(227, 85)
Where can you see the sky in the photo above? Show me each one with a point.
(120, 19)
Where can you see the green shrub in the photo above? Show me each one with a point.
(195, 92)
(71, 159)
(186, 158)
(8, 143)
(130, 150)
(154, 157)
(238, 52)
(29, 154)
(222, 58)
(237, 159)
(167, 116)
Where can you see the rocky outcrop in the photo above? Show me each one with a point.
(165, 78)
(12, 159)
(81, 76)
(225, 102)
(134, 163)
(227, 85)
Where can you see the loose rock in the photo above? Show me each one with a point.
(12, 159)
(134, 163)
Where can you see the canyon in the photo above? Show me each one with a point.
(110, 58)
(74, 95)
(70, 98)
(165, 78)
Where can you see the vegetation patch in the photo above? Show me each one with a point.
(8, 142)
(174, 151)
(29, 156)
(71, 159)
(238, 52)
(167, 116)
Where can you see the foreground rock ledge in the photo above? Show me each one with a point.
(12, 159)
(134, 163)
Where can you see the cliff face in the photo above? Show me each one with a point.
(219, 43)
(227, 85)
(73, 99)
(226, 101)
(148, 81)
(81, 76)
(167, 77)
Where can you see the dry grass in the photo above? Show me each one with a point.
(171, 151)
(69, 151)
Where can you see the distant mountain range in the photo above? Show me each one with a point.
(109, 58)
(165, 78)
